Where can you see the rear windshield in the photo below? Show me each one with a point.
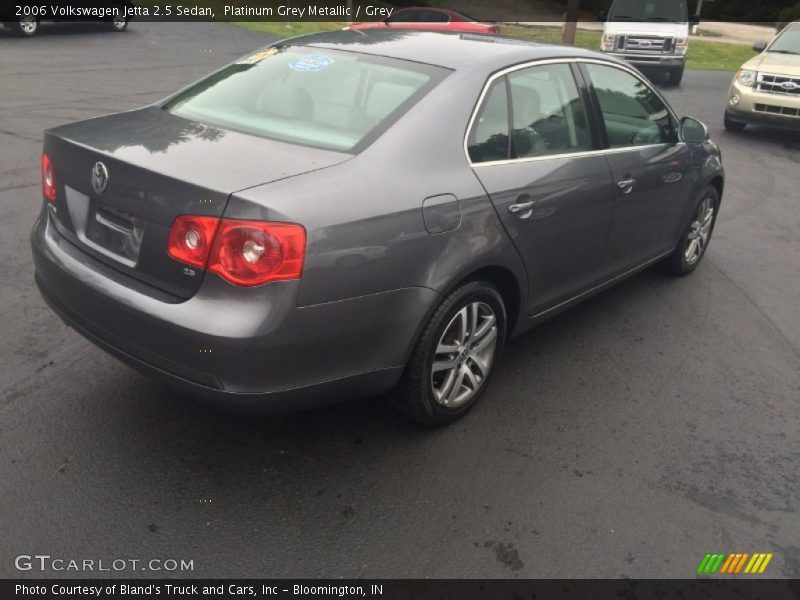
(668, 11)
(311, 96)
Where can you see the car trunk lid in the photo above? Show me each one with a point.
(123, 179)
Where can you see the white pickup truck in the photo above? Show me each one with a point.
(651, 34)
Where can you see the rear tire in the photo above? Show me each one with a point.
(694, 241)
(26, 26)
(455, 357)
(735, 126)
(676, 75)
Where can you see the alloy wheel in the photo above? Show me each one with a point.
(699, 231)
(464, 355)
(119, 22)
(28, 25)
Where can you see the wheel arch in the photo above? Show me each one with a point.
(718, 183)
(500, 276)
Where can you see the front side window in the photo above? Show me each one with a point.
(548, 114)
(405, 16)
(433, 16)
(633, 113)
(310, 96)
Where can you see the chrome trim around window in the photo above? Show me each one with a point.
(551, 61)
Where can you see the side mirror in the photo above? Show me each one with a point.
(760, 46)
(694, 19)
(693, 131)
(602, 16)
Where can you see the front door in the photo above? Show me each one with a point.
(552, 190)
(651, 169)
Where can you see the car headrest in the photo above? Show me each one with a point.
(283, 100)
(385, 97)
(527, 106)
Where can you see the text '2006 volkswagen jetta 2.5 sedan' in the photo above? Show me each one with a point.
(353, 213)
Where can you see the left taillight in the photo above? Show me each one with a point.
(245, 253)
(48, 179)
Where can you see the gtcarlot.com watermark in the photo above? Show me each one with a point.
(46, 563)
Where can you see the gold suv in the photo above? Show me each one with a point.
(767, 89)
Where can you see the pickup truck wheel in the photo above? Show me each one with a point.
(27, 26)
(732, 125)
(676, 75)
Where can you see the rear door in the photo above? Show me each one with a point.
(651, 168)
(532, 148)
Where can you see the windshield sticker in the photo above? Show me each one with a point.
(258, 56)
(311, 64)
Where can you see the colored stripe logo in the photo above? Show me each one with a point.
(735, 563)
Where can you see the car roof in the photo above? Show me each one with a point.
(450, 50)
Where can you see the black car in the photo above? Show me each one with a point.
(25, 18)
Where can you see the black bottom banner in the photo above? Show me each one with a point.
(406, 589)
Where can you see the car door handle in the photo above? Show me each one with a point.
(626, 185)
(521, 208)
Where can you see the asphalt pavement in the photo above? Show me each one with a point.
(628, 437)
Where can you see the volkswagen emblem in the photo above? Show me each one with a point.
(99, 177)
(789, 85)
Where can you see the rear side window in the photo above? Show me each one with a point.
(633, 114)
(549, 115)
(310, 96)
(489, 139)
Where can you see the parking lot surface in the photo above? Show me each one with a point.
(627, 437)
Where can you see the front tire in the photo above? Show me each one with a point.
(676, 75)
(454, 359)
(26, 26)
(735, 126)
(693, 243)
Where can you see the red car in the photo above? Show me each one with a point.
(431, 19)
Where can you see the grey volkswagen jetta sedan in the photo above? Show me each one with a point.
(348, 214)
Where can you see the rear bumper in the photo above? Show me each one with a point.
(651, 61)
(243, 347)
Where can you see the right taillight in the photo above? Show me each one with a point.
(48, 179)
(245, 253)
(252, 253)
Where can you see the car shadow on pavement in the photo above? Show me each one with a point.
(225, 439)
(788, 139)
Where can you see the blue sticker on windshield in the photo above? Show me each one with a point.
(311, 64)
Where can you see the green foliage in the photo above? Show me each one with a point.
(756, 11)
(762, 11)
